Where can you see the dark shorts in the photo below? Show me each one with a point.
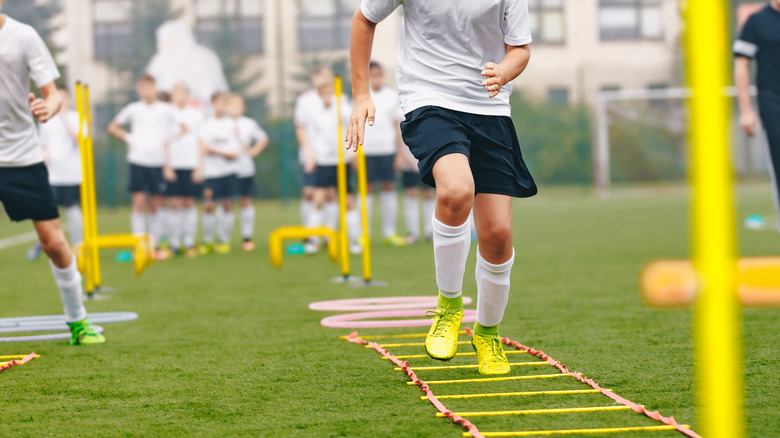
(411, 179)
(222, 188)
(246, 186)
(308, 179)
(769, 107)
(25, 193)
(146, 179)
(327, 176)
(490, 143)
(380, 168)
(66, 196)
(183, 187)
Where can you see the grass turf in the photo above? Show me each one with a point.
(225, 345)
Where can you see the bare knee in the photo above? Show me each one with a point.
(454, 201)
(55, 246)
(495, 241)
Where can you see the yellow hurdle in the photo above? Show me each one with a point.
(575, 431)
(411, 335)
(279, 235)
(423, 356)
(469, 367)
(493, 379)
(17, 357)
(540, 411)
(413, 344)
(517, 394)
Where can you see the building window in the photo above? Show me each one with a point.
(547, 22)
(112, 30)
(234, 25)
(325, 24)
(630, 19)
(558, 96)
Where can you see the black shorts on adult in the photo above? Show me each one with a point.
(26, 194)
(490, 143)
(380, 168)
(769, 107)
(146, 179)
(183, 187)
(328, 176)
(222, 188)
(65, 196)
(411, 179)
(246, 186)
(308, 178)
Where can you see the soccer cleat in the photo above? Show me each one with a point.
(222, 248)
(162, 254)
(206, 249)
(442, 340)
(394, 240)
(82, 333)
(248, 246)
(312, 247)
(191, 253)
(490, 354)
(355, 248)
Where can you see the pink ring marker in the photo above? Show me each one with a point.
(369, 319)
(389, 303)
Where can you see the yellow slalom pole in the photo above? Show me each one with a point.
(493, 379)
(411, 335)
(423, 356)
(95, 251)
(413, 344)
(717, 312)
(342, 182)
(540, 411)
(516, 394)
(84, 191)
(469, 367)
(363, 191)
(575, 431)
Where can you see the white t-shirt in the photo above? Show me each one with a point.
(150, 127)
(249, 133)
(301, 108)
(184, 152)
(62, 148)
(445, 45)
(220, 134)
(321, 126)
(382, 138)
(23, 56)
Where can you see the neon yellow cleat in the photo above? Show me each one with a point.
(490, 354)
(394, 240)
(442, 340)
(82, 333)
(205, 249)
(222, 248)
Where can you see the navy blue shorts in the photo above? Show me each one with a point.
(380, 168)
(146, 179)
(411, 179)
(65, 196)
(183, 187)
(25, 193)
(308, 179)
(246, 186)
(490, 143)
(769, 107)
(225, 187)
(327, 176)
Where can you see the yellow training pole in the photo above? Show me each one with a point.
(95, 251)
(576, 431)
(363, 191)
(540, 411)
(342, 181)
(84, 190)
(717, 312)
(17, 357)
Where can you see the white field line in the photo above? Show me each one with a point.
(18, 240)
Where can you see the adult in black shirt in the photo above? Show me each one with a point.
(760, 40)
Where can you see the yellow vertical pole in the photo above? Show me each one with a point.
(717, 311)
(363, 191)
(342, 181)
(95, 251)
(84, 190)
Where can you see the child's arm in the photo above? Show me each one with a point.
(115, 129)
(258, 147)
(362, 38)
(303, 143)
(197, 174)
(44, 109)
(513, 64)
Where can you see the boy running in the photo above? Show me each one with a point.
(24, 181)
(457, 123)
(254, 139)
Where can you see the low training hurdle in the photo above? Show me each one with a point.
(88, 251)
(12, 361)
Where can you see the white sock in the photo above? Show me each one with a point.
(450, 251)
(389, 202)
(429, 205)
(69, 282)
(209, 225)
(306, 208)
(247, 222)
(412, 216)
(138, 224)
(316, 219)
(156, 226)
(331, 215)
(492, 290)
(225, 226)
(369, 209)
(353, 225)
(75, 224)
(190, 226)
(164, 223)
(175, 226)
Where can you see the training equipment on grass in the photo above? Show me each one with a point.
(54, 323)
(460, 418)
(88, 252)
(389, 307)
(15, 360)
(388, 303)
(279, 235)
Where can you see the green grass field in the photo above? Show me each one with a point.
(225, 345)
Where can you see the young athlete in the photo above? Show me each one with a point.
(383, 146)
(760, 40)
(410, 178)
(24, 181)
(456, 62)
(220, 149)
(302, 104)
(151, 123)
(254, 139)
(182, 157)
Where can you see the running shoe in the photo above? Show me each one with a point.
(442, 340)
(82, 333)
(490, 354)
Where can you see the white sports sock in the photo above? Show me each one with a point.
(225, 226)
(75, 224)
(316, 219)
(450, 251)
(429, 205)
(492, 290)
(247, 222)
(353, 225)
(209, 227)
(306, 208)
(138, 224)
(331, 215)
(69, 282)
(175, 226)
(389, 202)
(163, 213)
(412, 216)
(190, 226)
(369, 209)
(156, 226)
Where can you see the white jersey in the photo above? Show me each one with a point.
(249, 133)
(62, 148)
(302, 104)
(184, 152)
(321, 124)
(382, 137)
(220, 134)
(150, 127)
(445, 45)
(23, 56)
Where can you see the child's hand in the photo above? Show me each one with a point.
(169, 174)
(363, 111)
(197, 176)
(310, 165)
(40, 110)
(495, 79)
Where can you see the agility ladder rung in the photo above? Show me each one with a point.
(575, 431)
(413, 344)
(406, 336)
(539, 411)
(423, 356)
(517, 394)
(468, 367)
(17, 357)
(493, 379)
